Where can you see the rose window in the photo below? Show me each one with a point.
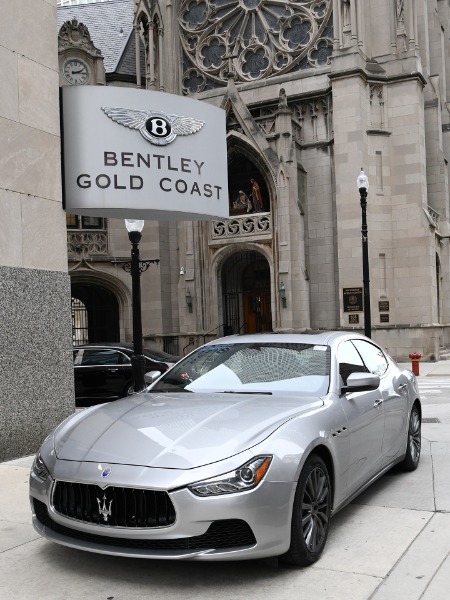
(257, 39)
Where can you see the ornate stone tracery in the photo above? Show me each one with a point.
(247, 226)
(87, 242)
(261, 38)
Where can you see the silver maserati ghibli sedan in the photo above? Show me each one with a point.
(244, 449)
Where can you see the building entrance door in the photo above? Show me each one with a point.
(246, 293)
(257, 317)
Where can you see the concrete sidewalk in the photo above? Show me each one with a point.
(392, 543)
(430, 369)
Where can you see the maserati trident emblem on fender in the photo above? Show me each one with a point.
(155, 126)
(105, 512)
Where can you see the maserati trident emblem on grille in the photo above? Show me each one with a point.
(156, 127)
(105, 512)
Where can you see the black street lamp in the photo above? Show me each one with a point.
(135, 268)
(363, 187)
(134, 229)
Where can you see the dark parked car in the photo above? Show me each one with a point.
(103, 371)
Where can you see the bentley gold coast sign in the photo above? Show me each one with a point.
(131, 153)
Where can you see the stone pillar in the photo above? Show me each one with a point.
(137, 38)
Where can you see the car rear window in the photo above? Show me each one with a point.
(101, 357)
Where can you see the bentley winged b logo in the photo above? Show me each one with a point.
(105, 512)
(156, 127)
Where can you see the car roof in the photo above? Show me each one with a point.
(306, 337)
(106, 345)
(157, 356)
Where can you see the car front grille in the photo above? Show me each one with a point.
(221, 535)
(113, 506)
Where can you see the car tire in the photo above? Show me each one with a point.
(412, 457)
(310, 514)
(128, 390)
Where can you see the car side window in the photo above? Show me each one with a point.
(349, 361)
(100, 357)
(123, 359)
(373, 357)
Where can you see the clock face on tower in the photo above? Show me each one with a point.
(75, 71)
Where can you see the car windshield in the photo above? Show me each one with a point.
(256, 367)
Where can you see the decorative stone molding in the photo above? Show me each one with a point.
(252, 39)
(250, 226)
(76, 35)
(87, 243)
(432, 216)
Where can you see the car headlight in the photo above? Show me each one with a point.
(39, 468)
(242, 479)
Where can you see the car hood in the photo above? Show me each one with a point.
(178, 431)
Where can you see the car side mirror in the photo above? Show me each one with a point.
(361, 382)
(151, 376)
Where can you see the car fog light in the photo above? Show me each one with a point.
(245, 478)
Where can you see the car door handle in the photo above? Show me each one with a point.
(403, 386)
(378, 402)
(112, 370)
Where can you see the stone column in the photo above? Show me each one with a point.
(137, 38)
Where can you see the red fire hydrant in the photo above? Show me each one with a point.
(415, 357)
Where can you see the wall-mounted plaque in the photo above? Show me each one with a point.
(353, 299)
(383, 305)
(353, 319)
(384, 318)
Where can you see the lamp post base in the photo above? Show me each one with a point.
(138, 368)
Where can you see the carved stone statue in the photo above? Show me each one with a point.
(400, 14)
(346, 18)
(282, 99)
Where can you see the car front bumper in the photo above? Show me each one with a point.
(246, 525)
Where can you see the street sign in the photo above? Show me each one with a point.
(137, 154)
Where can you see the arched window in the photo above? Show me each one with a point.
(149, 35)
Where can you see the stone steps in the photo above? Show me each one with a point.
(444, 353)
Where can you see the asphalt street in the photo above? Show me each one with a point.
(391, 543)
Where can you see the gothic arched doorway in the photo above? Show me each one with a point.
(246, 293)
(95, 314)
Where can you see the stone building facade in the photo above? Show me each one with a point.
(313, 91)
(36, 367)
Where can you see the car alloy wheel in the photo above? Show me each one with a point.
(311, 514)
(129, 390)
(412, 456)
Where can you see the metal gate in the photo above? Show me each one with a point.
(80, 330)
(95, 314)
(246, 293)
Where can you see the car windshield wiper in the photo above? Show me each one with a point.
(246, 392)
